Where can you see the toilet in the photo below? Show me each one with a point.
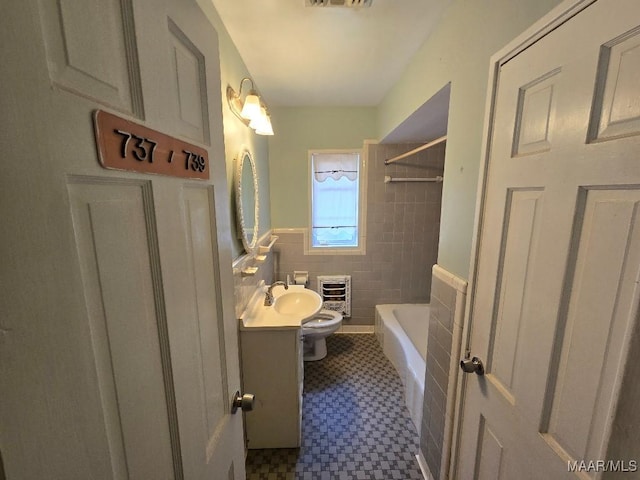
(315, 330)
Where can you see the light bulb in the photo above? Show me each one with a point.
(265, 128)
(258, 120)
(251, 107)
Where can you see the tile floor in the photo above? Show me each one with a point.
(355, 423)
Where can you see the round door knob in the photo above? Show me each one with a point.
(472, 365)
(242, 402)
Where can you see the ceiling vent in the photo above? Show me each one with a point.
(338, 3)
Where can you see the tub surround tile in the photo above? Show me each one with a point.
(432, 459)
(441, 355)
(436, 422)
(402, 236)
(444, 338)
(439, 398)
(445, 292)
(448, 294)
(443, 311)
(440, 373)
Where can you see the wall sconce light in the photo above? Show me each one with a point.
(251, 111)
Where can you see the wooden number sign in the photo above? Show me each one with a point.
(124, 145)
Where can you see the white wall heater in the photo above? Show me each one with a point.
(335, 291)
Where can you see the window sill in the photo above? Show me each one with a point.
(310, 250)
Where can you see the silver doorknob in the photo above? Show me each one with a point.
(472, 365)
(242, 402)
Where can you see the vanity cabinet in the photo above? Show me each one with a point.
(272, 369)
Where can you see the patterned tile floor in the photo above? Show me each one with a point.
(355, 423)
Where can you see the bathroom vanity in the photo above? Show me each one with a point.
(271, 362)
(272, 365)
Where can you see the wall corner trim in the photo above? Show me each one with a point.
(450, 279)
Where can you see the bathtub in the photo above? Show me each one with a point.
(401, 330)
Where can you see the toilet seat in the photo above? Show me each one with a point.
(315, 330)
(323, 319)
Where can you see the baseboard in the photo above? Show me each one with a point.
(356, 329)
(424, 468)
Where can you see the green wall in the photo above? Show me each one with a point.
(459, 51)
(237, 136)
(298, 130)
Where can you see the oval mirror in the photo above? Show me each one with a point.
(247, 200)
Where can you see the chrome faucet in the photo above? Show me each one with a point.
(268, 298)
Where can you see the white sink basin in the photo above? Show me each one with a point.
(289, 309)
(301, 302)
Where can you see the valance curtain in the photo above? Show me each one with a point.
(336, 166)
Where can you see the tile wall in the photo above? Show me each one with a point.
(448, 297)
(403, 223)
(245, 286)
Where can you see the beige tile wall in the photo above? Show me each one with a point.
(448, 297)
(403, 222)
(245, 286)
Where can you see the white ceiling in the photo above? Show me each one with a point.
(327, 56)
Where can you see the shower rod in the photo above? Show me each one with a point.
(416, 150)
(389, 179)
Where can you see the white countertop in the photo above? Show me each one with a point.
(257, 315)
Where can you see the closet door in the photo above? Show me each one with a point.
(556, 294)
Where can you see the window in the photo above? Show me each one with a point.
(336, 200)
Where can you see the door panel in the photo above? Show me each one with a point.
(490, 454)
(201, 244)
(522, 229)
(535, 115)
(118, 345)
(84, 51)
(556, 293)
(124, 321)
(606, 267)
(616, 109)
(189, 86)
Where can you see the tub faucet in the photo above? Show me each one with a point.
(268, 297)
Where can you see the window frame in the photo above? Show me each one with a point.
(309, 249)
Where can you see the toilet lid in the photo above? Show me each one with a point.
(322, 318)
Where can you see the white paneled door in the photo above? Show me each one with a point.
(556, 293)
(118, 341)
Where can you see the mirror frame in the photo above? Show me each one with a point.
(249, 246)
